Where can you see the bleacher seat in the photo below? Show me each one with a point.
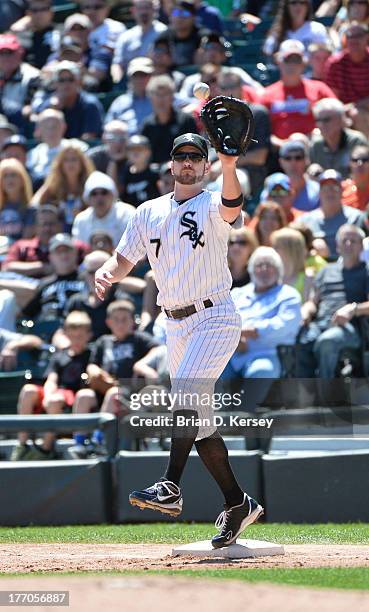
(10, 386)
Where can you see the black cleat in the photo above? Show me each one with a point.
(233, 520)
(164, 496)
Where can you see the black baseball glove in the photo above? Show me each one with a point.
(229, 123)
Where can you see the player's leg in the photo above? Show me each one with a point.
(165, 495)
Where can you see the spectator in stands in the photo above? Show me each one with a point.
(87, 301)
(277, 187)
(326, 220)
(30, 257)
(19, 80)
(291, 99)
(162, 61)
(318, 54)
(241, 245)
(61, 389)
(208, 16)
(138, 183)
(268, 217)
(333, 146)
(15, 147)
(341, 294)
(290, 246)
(17, 216)
(51, 296)
(105, 31)
(10, 11)
(351, 10)
(165, 123)
(82, 111)
(112, 153)
(103, 211)
(64, 185)
(37, 32)
(137, 41)
(49, 130)
(270, 313)
(294, 161)
(6, 129)
(11, 343)
(96, 61)
(165, 181)
(347, 74)
(356, 187)
(294, 21)
(215, 49)
(134, 106)
(183, 34)
(114, 355)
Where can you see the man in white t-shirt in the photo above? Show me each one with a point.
(104, 212)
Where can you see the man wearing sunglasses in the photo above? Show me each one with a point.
(185, 235)
(290, 100)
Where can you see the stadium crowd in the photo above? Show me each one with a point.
(92, 95)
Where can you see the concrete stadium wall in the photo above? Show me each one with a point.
(202, 498)
(319, 488)
(55, 492)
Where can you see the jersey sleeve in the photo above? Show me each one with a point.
(131, 244)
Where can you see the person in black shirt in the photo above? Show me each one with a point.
(113, 356)
(140, 179)
(61, 389)
(52, 294)
(37, 32)
(166, 123)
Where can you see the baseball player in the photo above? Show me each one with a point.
(185, 235)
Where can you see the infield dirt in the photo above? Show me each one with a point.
(103, 557)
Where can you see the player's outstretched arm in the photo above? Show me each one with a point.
(232, 199)
(113, 271)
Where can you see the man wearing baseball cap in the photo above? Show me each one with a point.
(103, 211)
(294, 160)
(326, 220)
(83, 112)
(290, 100)
(18, 80)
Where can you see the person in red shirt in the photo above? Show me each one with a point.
(30, 257)
(291, 99)
(356, 189)
(348, 75)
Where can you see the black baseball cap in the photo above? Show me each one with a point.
(16, 139)
(190, 139)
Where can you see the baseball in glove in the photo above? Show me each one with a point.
(229, 123)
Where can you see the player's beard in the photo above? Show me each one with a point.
(189, 178)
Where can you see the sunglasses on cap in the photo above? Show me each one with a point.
(363, 160)
(178, 12)
(294, 157)
(194, 157)
(97, 192)
(240, 242)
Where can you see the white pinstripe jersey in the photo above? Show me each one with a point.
(186, 245)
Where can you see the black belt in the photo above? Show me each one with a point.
(187, 311)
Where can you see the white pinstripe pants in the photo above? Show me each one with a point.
(199, 348)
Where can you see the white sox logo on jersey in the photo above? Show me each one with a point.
(192, 233)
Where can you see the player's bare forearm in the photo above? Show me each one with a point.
(113, 271)
(231, 189)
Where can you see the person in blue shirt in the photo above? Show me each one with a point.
(271, 315)
(294, 161)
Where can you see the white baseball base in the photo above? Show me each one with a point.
(242, 549)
